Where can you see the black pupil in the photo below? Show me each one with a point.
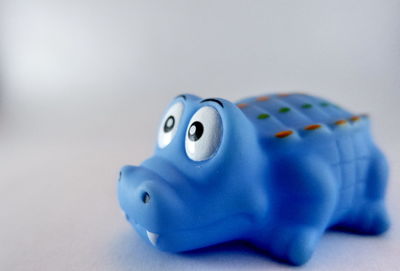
(169, 124)
(195, 131)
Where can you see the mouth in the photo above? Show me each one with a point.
(151, 236)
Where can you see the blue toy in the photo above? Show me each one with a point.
(276, 170)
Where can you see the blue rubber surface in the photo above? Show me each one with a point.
(274, 170)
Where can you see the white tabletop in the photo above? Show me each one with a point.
(58, 204)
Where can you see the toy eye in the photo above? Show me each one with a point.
(203, 134)
(169, 124)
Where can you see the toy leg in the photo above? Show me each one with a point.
(293, 244)
(370, 216)
(308, 196)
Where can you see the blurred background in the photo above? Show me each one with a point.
(83, 85)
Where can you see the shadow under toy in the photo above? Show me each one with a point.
(276, 170)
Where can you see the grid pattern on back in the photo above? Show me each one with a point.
(281, 112)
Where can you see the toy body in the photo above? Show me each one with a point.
(276, 170)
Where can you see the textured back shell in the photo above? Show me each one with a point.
(273, 114)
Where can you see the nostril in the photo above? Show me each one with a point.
(145, 197)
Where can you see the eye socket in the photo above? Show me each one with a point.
(204, 134)
(170, 124)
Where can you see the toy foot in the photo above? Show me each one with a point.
(372, 219)
(302, 247)
(293, 245)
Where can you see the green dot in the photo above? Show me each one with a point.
(263, 116)
(324, 104)
(284, 110)
(306, 106)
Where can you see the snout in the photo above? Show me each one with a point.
(150, 203)
(136, 185)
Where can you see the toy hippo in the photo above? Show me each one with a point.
(276, 171)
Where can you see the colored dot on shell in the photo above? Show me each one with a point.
(263, 116)
(262, 98)
(306, 106)
(283, 134)
(324, 104)
(355, 118)
(242, 105)
(284, 110)
(283, 94)
(340, 122)
(312, 127)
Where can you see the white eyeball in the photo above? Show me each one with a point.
(169, 125)
(204, 133)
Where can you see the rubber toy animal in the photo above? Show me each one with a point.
(276, 171)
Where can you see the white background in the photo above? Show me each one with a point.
(83, 86)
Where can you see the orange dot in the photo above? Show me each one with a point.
(283, 94)
(262, 98)
(283, 134)
(242, 105)
(340, 122)
(312, 127)
(355, 118)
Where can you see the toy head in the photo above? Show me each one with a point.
(199, 188)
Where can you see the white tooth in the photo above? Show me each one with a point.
(153, 237)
